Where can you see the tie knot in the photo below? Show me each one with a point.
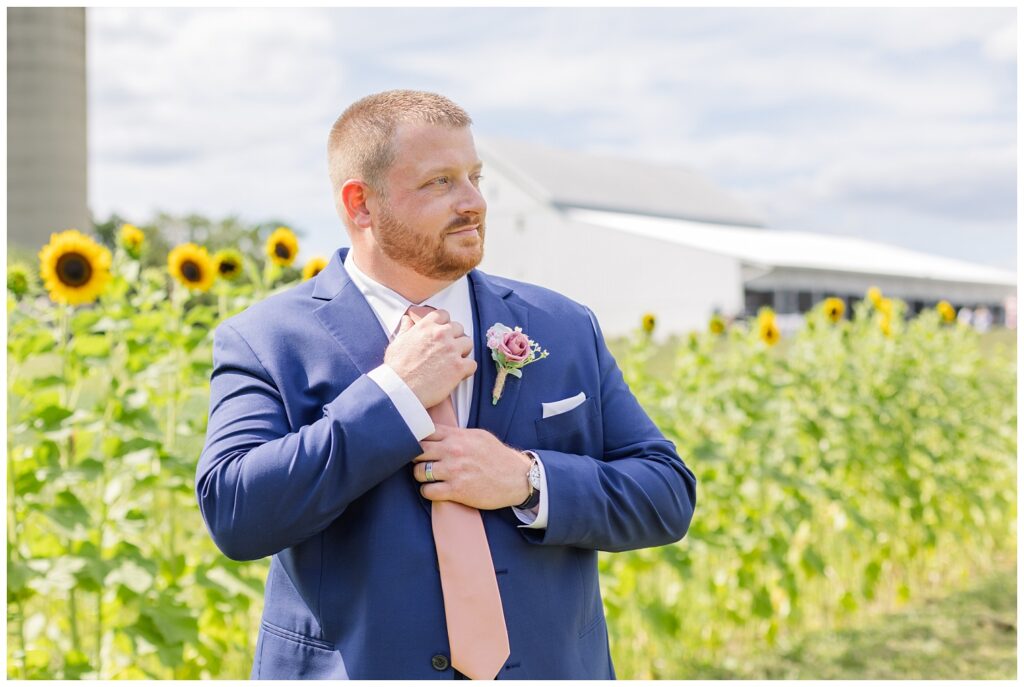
(416, 312)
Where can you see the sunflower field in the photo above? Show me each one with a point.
(841, 470)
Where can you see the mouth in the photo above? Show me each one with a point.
(466, 231)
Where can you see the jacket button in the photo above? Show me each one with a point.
(440, 662)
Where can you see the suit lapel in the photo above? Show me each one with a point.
(348, 317)
(493, 304)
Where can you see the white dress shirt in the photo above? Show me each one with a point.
(389, 306)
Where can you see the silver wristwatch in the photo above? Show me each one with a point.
(533, 478)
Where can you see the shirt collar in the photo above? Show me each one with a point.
(389, 305)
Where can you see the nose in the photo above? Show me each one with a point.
(470, 200)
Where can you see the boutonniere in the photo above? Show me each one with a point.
(511, 350)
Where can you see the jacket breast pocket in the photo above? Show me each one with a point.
(574, 431)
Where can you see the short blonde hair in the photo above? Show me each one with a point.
(360, 145)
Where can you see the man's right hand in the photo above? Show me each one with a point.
(431, 356)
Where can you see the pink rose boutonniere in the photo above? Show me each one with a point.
(511, 350)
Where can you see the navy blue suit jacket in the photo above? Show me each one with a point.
(308, 461)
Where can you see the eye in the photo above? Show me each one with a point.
(476, 179)
(440, 181)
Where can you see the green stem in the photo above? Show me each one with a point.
(107, 419)
(73, 602)
(222, 300)
(177, 307)
(12, 539)
(65, 321)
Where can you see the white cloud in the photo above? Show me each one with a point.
(910, 111)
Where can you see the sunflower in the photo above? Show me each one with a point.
(228, 264)
(282, 246)
(834, 308)
(947, 311)
(18, 279)
(132, 239)
(716, 325)
(192, 266)
(647, 323)
(885, 324)
(768, 331)
(874, 295)
(313, 267)
(74, 268)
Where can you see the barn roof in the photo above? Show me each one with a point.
(798, 249)
(573, 179)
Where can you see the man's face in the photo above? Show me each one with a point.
(432, 219)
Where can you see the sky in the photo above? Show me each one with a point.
(895, 125)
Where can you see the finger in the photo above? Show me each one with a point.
(440, 316)
(429, 453)
(464, 345)
(419, 472)
(436, 491)
(440, 433)
(405, 325)
(457, 330)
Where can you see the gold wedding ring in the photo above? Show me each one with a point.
(430, 475)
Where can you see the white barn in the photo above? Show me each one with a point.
(627, 237)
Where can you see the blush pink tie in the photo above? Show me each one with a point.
(472, 603)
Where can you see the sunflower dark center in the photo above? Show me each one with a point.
(191, 271)
(281, 250)
(73, 269)
(228, 267)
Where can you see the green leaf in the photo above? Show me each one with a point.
(21, 347)
(177, 622)
(132, 575)
(233, 583)
(135, 444)
(811, 562)
(47, 381)
(149, 322)
(762, 603)
(68, 511)
(50, 417)
(91, 346)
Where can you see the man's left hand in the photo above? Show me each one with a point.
(472, 467)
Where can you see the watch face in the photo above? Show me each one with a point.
(535, 476)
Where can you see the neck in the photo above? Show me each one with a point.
(409, 284)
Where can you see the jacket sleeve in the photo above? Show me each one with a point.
(261, 487)
(638, 494)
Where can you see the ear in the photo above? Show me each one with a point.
(353, 202)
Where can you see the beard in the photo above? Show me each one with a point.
(428, 256)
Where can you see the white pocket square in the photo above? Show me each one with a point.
(563, 406)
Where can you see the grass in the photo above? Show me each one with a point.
(970, 634)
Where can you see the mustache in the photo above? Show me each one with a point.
(460, 222)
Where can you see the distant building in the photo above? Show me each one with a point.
(46, 123)
(628, 237)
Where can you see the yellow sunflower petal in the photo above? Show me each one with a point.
(228, 264)
(834, 308)
(313, 267)
(282, 247)
(192, 266)
(74, 268)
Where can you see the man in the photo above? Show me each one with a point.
(325, 447)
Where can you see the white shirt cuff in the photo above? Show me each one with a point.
(536, 518)
(409, 407)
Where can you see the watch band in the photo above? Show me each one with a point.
(534, 497)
